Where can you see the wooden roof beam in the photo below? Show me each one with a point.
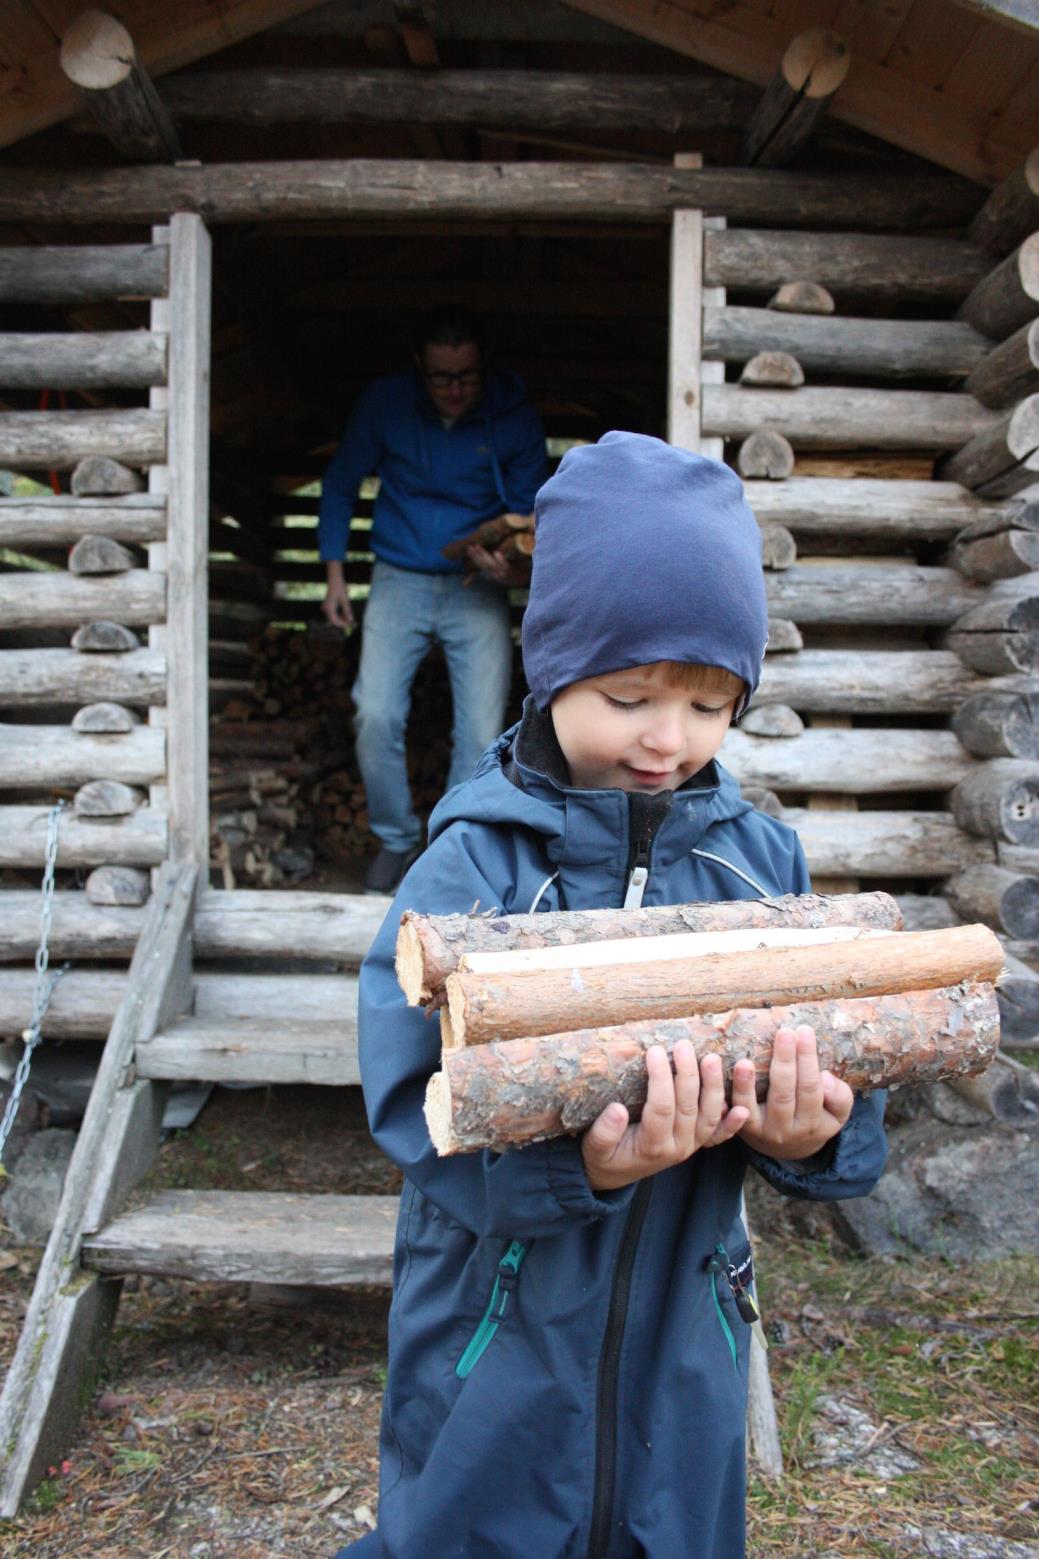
(810, 72)
(98, 56)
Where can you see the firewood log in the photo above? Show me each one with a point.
(429, 947)
(528, 1090)
(483, 1007)
(489, 534)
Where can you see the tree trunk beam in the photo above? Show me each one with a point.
(528, 1090)
(358, 189)
(1000, 800)
(1000, 457)
(1007, 297)
(58, 440)
(1002, 899)
(1003, 555)
(429, 947)
(1000, 633)
(883, 348)
(98, 56)
(876, 682)
(135, 359)
(546, 1001)
(886, 844)
(847, 762)
(138, 840)
(32, 756)
(838, 418)
(82, 273)
(813, 67)
(999, 725)
(29, 678)
(136, 598)
(870, 593)
(1008, 373)
(1011, 211)
(872, 507)
(856, 264)
(60, 522)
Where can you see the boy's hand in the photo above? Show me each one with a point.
(804, 1108)
(681, 1114)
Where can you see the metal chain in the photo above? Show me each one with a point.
(44, 987)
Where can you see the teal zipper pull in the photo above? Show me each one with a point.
(504, 1283)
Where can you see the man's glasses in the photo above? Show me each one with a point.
(442, 381)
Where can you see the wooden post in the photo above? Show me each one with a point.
(685, 321)
(98, 55)
(812, 69)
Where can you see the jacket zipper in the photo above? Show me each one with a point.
(720, 1265)
(504, 1283)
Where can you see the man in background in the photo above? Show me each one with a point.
(453, 443)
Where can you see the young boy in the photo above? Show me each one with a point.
(568, 1361)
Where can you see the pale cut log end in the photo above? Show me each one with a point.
(437, 1110)
(408, 963)
(448, 1038)
(453, 1014)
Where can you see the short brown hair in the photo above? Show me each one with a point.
(703, 679)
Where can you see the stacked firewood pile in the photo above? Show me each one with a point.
(545, 1019)
(510, 536)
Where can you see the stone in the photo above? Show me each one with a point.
(846, 1436)
(30, 1204)
(936, 1543)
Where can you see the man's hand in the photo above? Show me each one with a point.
(804, 1107)
(682, 1114)
(491, 564)
(336, 605)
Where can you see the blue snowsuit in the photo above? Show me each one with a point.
(567, 1368)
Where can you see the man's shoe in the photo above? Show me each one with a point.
(385, 872)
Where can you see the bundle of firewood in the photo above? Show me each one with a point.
(509, 535)
(546, 1018)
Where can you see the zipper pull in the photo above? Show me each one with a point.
(746, 1304)
(639, 877)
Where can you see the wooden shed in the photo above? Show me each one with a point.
(799, 234)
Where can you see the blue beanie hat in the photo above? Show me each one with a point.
(644, 553)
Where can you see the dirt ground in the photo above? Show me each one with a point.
(225, 1427)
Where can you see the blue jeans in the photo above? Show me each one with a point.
(406, 613)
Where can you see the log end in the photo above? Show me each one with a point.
(437, 1110)
(408, 963)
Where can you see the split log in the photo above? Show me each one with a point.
(58, 440)
(83, 360)
(62, 601)
(95, 554)
(138, 840)
(101, 476)
(1000, 800)
(1012, 210)
(1007, 297)
(483, 1007)
(999, 725)
(32, 756)
(105, 719)
(29, 678)
(859, 264)
(528, 1090)
(429, 947)
(877, 682)
(99, 57)
(1002, 555)
(778, 547)
(884, 348)
(871, 593)
(765, 455)
(999, 898)
(107, 798)
(784, 637)
(83, 273)
(60, 522)
(801, 297)
(813, 67)
(359, 189)
(1001, 459)
(118, 885)
(1008, 373)
(773, 371)
(998, 635)
(105, 638)
(772, 720)
(836, 417)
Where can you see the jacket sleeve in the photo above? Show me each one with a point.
(521, 1194)
(853, 1162)
(358, 455)
(527, 467)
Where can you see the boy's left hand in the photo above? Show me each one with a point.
(804, 1107)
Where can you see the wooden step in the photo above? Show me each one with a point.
(254, 1050)
(252, 1237)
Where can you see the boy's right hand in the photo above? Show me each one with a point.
(682, 1113)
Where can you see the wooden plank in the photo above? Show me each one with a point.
(254, 1051)
(258, 1237)
(839, 418)
(60, 522)
(138, 840)
(30, 678)
(886, 844)
(188, 539)
(881, 509)
(685, 314)
(82, 273)
(886, 349)
(46, 755)
(870, 593)
(59, 440)
(411, 190)
(42, 1393)
(849, 264)
(60, 600)
(82, 360)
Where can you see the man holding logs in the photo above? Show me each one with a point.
(568, 1335)
(454, 445)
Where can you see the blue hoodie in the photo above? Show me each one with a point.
(567, 1368)
(437, 484)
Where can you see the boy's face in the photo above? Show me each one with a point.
(635, 730)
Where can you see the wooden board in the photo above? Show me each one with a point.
(256, 1050)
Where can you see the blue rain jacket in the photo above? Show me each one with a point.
(567, 1375)
(437, 484)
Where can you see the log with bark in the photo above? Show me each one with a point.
(528, 1090)
(430, 947)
